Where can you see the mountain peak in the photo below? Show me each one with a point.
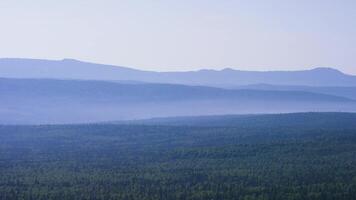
(70, 60)
(326, 69)
(228, 69)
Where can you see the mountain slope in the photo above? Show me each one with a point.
(348, 92)
(72, 101)
(325, 120)
(73, 69)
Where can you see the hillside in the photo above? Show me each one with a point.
(326, 120)
(72, 101)
(277, 160)
(348, 92)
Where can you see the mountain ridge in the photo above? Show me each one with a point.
(228, 77)
(304, 119)
(42, 101)
(73, 60)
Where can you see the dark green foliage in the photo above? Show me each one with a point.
(131, 162)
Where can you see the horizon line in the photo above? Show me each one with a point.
(159, 71)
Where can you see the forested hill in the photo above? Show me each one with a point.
(43, 101)
(274, 157)
(312, 119)
(348, 92)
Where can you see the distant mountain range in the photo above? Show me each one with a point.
(73, 69)
(36, 101)
(70, 91)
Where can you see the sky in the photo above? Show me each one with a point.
(184, 35)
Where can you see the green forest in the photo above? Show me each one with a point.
(274, 160)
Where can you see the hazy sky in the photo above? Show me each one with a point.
(184, 35)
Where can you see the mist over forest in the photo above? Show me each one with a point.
(71, 91)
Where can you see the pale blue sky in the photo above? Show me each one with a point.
(184, 35)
